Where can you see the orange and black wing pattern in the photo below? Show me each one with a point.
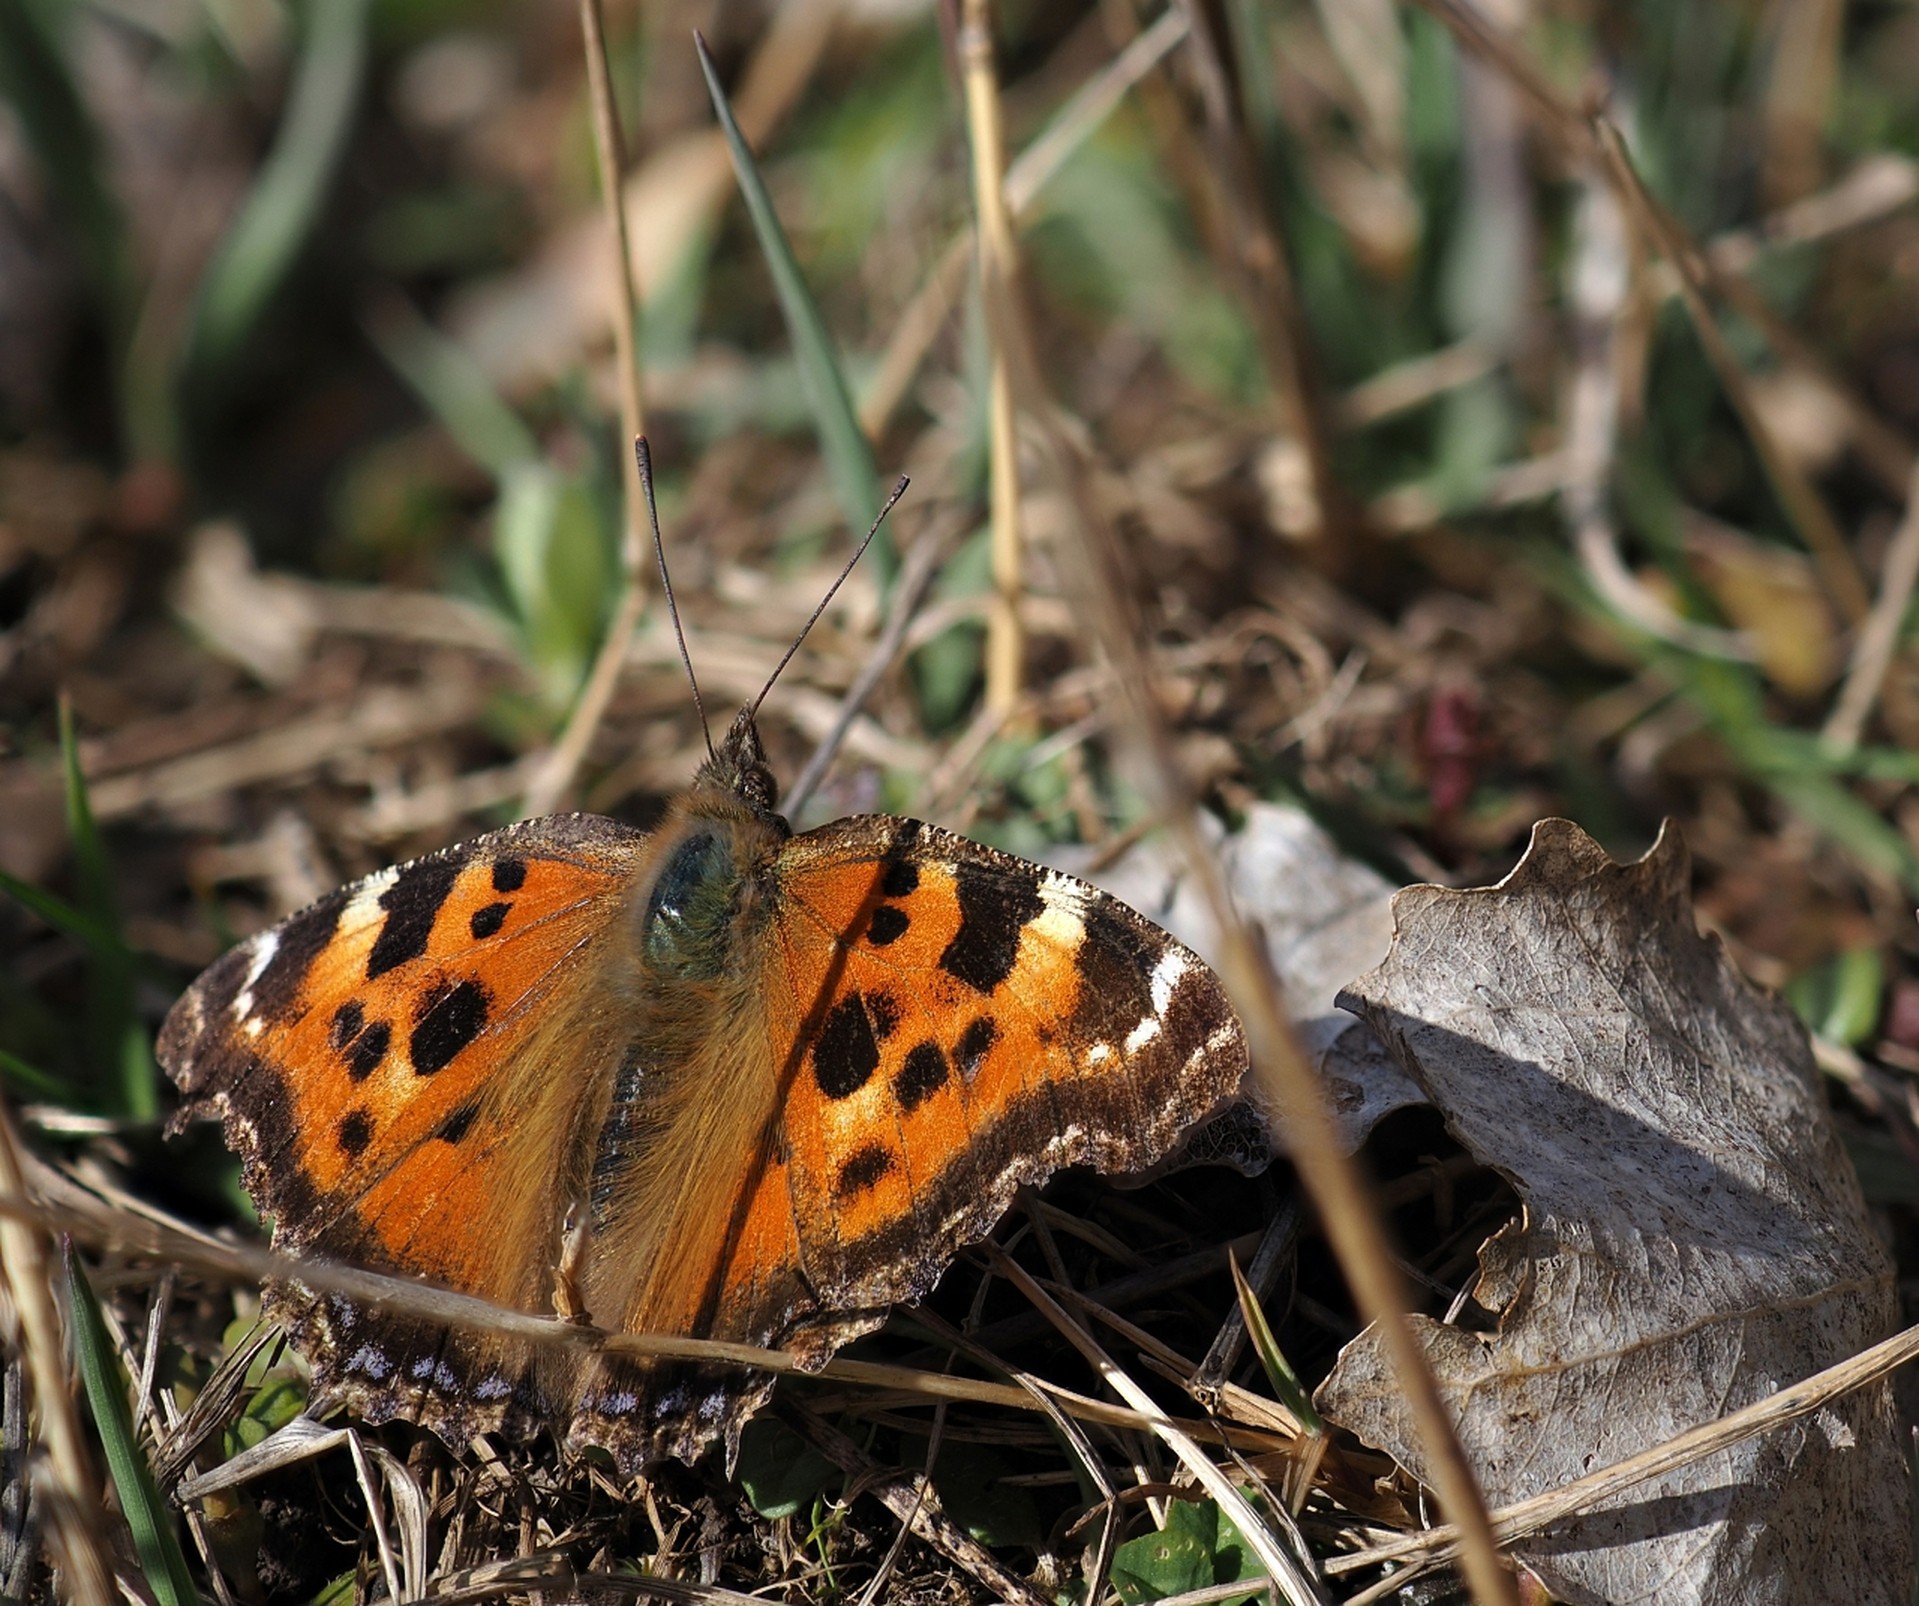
(933, 1024)
(386, 1064)
(886, 1032)
(950, 1023)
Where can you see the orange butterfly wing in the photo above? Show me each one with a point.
(951, 1023)
(385, 1064)
(898, 1029)
(935, 1024)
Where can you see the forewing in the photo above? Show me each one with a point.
(951, 1023)
(403, 1068)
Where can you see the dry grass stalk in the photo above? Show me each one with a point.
(385, 717)
(1091, 104)
(916, 574)
(1414, 382)
(552, 1575)
(1005, 642)
(131, 1227)
(1802, 503)
(1877, 187)
(919, 324)
(884, 1572)
(555, 777)
(1285, 1572)
(1353, 660)
(390, 1564)
(1255, 256)
(1094, 1574)
(1884, 449)
(1875, 190)
(1286, 1076)
(1881, 188)
(67, 1489)
(1872, 653)
(1601, 275)
(913, 1503)
(1277, 1245)
(1805, 73)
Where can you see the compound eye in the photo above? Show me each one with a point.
(758, 787)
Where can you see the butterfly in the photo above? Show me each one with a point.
(714, 1079)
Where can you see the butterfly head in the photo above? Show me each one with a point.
(739, 766)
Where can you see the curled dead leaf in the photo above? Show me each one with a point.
(1693, 1237)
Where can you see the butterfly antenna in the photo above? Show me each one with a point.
(899, 490)
(644, 458)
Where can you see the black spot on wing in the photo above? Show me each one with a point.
(1115, 960)
(349, 1020)
(923, 1075)
(994, 908)
(901, 875)
(509, 875)
(276, 990)
(355, 1133)
(488, 920)
(975, 1043)
(365, 1052)
(888, 925)
(455, 1126)
(845, 1054)
(360, 1044)
(883, 1010)
(449, 1019)
(412, 904)
(863, 1171)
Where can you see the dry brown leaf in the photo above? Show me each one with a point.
(1693, 1238)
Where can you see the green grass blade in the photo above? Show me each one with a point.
(161, 1559)
(1872, 763)
(849, 457)
(89, 852)
(1287, 1388)
(342, 1591)
(1858, 829)
(32, 1081)
(120, 1053)
(455, 389)
(1786, 763)
(1797, 750)
(53, 115)
(287, 196)
(555, 553)
(59, 914)
(1838, 999)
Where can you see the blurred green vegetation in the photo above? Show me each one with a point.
(332, 270)
(336, 279)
